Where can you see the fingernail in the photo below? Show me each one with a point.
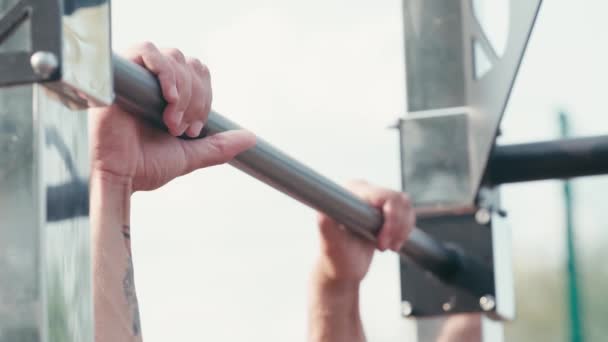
(182, 129)
(195, 129)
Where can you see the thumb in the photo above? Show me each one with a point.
(217, 149)
(332, 233)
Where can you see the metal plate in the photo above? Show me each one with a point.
(436, 169)
(490, 243)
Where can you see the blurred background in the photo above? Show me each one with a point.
(221, 257)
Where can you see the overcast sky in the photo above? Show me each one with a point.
(221, 257)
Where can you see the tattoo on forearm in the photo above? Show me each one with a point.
(126, 233)
(129, 284)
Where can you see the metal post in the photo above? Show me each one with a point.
(576, 330)
(45, 247)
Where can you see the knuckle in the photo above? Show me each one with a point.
(198, 66)
(176, 54)
(148, 46)
(322, 220)
(389, 211)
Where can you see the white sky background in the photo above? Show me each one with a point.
(222, 257)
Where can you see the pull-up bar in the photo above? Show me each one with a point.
(138, 91)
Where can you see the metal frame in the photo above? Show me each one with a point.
(441, 88)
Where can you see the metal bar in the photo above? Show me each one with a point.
(138, 92)
(566, 158)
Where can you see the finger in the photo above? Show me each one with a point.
(374, 195)
(390, 228)
(326, 224)
(201, 96)
(174, 115)
(216, 149)
(195, 129)
(184, 89)
(406, 221)
(148, 56)
(176, 54)
(173, 120)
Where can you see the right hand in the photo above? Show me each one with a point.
(130, 151)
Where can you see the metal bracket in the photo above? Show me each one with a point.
(43, 19)
(65, 38)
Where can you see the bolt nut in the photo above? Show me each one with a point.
(487, 303)
(44, 63)
(483, 216)
(406, 308)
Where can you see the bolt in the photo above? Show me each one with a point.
(406, 308)
(447, 307)
(487, 303)
(483, 216)
(44, 63)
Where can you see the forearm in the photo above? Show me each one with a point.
(334, 312)
(116, 310)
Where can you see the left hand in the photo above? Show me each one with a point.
(345, 258)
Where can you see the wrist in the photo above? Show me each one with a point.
(333, 285)
(334, 309)
(109, 180)
(338, 275)
(110, 197)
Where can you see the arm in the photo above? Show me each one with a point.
(334, 311)
(116, 309)
(130, 155)
(344, 261)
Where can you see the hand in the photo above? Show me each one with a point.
(345, 258)
(129, 150)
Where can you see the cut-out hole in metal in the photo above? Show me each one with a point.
(493, 17)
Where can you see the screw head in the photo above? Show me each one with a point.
(44, 63)
(406, 308)
(483, 216)
(447, 307)
(487, 303)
